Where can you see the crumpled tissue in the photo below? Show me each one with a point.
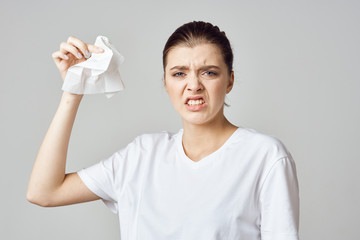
(98, 74)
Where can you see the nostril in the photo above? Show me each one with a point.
(194, 90)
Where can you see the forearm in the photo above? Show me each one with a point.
(49, 168)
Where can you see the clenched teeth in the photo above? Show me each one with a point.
(195, 102)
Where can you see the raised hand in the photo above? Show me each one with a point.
(72, 52)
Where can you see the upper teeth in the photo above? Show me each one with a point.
(195, 102)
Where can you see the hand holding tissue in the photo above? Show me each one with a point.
(98, 74)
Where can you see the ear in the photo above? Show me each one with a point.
(164, 82)
(231, 83)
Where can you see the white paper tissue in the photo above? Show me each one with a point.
(98, 74)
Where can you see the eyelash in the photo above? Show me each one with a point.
(178, 74)
(208, 73)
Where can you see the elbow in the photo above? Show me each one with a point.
(38, 199)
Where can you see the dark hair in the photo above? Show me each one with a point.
(197, 32)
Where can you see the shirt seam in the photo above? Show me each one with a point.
(268, 173)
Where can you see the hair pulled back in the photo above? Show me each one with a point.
(197, 32)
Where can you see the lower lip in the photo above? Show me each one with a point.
(195, 107)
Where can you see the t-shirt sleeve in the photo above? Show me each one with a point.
(108, 178)
(99, 178)
(279, 200)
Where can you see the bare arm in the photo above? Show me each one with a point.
(49, 185)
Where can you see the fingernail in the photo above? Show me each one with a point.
(100, 49)
(88, 55)
(79, 55)
(66, 57)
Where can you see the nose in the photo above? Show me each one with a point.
(194, 84)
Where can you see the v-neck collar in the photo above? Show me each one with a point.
(205, 160)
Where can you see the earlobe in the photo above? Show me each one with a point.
(231, 83)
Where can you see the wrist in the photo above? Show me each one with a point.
(71, 97)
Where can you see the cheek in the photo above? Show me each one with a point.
(173, 92)
(174, 87)
(218, 90)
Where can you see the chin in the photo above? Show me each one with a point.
(202, 117)
(196, 120)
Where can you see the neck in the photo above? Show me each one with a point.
(202, 140)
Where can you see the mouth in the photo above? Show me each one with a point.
(194, 101)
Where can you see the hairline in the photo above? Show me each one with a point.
(191, 44)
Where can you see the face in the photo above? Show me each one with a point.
(197, 81)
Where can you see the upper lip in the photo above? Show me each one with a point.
(194, 98)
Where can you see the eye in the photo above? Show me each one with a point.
(178, 74)
(208, 73)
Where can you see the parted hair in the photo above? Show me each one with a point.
(197, 32)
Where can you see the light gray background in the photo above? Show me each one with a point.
(297, 77)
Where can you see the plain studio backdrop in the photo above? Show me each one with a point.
(297, 78)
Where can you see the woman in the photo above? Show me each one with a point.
(211, 180)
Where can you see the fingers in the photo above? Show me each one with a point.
(58, 54)
(66, 48)
(95, 49)
(77, 48)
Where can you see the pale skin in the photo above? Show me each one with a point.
(190, 72)
(49, 185)
(200, 72)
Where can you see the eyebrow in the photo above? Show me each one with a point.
(201, 68)
(179, 68)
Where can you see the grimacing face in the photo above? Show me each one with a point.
(197, 81)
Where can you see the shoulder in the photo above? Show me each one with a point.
(155, 139)
(145, 146)
(261, 143)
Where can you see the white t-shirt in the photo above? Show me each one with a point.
(246, 190)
